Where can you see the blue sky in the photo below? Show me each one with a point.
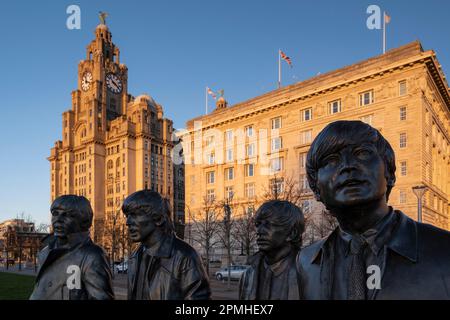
(173, 49)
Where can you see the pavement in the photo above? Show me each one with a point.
(15, 269)
(220, 289)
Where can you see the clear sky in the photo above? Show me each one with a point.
(173, 49)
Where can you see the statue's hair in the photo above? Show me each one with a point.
(77, 204)
(285, 214)
(150, 202)
(339, 134)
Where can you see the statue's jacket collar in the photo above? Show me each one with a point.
(403, 242)
(51, 253)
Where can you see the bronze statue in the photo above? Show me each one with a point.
(272, 273)
(163, 267)
(72, 267)
(376, 252)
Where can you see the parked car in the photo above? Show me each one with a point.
(236, 272)
(122, 267)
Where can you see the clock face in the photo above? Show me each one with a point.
(86, 81)
(113, 83)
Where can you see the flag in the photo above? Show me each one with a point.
(286, 58)
(387, 18)
(211, 93)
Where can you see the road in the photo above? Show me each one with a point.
(219, 289)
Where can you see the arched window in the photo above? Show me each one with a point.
(110, 164)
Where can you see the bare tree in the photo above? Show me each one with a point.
(206, 227)
(284, 188)
(227, 240)
(43, 228)
(245, 230)
(318, 226)
(26, 218)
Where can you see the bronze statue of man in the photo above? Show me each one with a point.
(376, 252)
(272, 273)
(163, 267)
(72, 267)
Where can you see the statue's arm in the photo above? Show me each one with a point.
(194, 280)
(97, 277)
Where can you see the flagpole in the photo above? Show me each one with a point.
(206, 100)
(279, 69)
(384, 32)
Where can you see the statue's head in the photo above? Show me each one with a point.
(279, 223)
(70, 214)
(146, 211)
(350, 164)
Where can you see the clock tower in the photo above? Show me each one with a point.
(113, 144)
(102, 82)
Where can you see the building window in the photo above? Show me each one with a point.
(306, 137)
(229, 192)
(249, 170)
(229, 135)
(335, 106)
(402, 89)
(306, 114)
(277, 186)
(403, 168)
(276, 123)
(210, 195)
(250, 150)
(209, 140)
(230, 154)
(249, 131)
(366, 98)
(276, 144)
(304, 185)
(249, 190)
(211, 158)
(403, 140)
(276, 164)
(302, 160)
(229, 173)
(402, 197)
(367, 119)
(210, 177)
(402, 113)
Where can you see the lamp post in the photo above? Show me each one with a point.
(227, 225)
(419, 191)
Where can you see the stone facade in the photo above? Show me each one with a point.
(113, 143)
(402, 93)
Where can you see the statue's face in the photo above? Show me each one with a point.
(65, 222)
(140, 225)
(270, 236)
(352, 176)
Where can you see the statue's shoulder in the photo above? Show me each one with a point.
(431, 234)
(255, 258)
(309, 253)
(92, 249)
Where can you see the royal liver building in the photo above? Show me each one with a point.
(112, 142)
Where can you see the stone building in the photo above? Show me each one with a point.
(19, 242)
(261, 144)
(113, 143)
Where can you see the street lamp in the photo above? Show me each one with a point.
(227, 225)
(419, 191)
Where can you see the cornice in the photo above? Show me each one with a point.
(426, 58)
